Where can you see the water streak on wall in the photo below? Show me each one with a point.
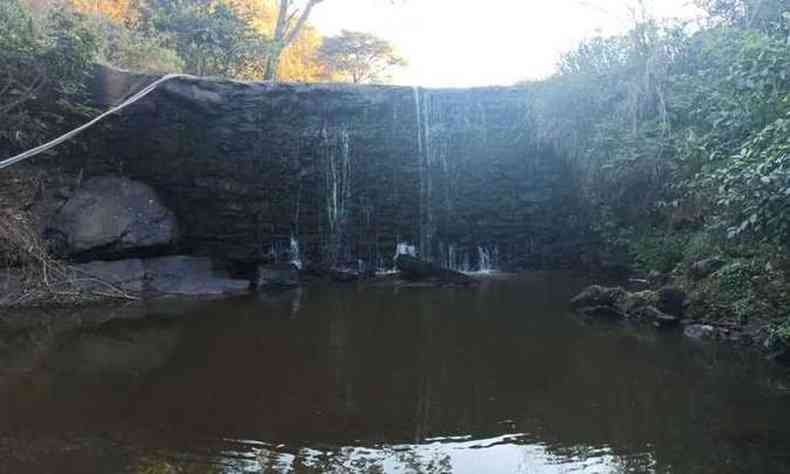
(349, 173)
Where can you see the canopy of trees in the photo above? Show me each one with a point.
(360, 57)
(241, 39)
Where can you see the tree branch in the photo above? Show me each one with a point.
(291, 36)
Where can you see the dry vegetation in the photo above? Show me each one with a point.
(29, 273)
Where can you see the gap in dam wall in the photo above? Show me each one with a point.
(348, 173)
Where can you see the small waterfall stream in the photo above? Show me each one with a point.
(422, 104)
(296, 253)
(437, 202)
(487, 259)
(338, 194)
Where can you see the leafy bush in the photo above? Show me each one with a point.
(135, 50)
(782, 331)
(753, 192)
(736, 279)
(662, 252)
(701, 245)
(42, 87)
(668, 121)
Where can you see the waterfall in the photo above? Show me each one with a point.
(401, 248)
(487, 259)
(422, 110)
(295, 253)
(405, 248)
(458, 260)
(432, 203)
(338, 193)
(418, 111)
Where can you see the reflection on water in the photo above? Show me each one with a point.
(509, 453)
(496, 379)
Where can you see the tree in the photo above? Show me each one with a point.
(765, 15)
(298, 62)
(290, 21)
(359, 57)
(210, 37)
(119, 11)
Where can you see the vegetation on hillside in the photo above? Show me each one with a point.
(681, 133)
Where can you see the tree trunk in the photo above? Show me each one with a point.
(283, 37)
(272, 64)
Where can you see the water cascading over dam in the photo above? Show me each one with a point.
(346, 173)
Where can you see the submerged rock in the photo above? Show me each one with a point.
(657, 317)
(109, 216)
(649, 306)
(190, 276)
(415, 270)
(700, 331)
(597, 295)
(278, 275)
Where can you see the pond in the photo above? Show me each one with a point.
(496, 379)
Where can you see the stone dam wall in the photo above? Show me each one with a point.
(348, 173)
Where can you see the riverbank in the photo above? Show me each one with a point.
(716, 291)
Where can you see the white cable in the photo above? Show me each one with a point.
(51, 144)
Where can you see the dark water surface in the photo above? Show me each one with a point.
(498, 379)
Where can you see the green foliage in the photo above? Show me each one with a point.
(44, 71)
(764, 15)
(782, 331)
(682, 139)
(662, 121)
(753, 186)
(701, 245)
(209, 37)
(662, 252)
(134, 49)
(736, 278)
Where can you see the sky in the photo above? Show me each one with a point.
(463, 43)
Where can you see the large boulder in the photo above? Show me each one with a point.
(110, 216)
(416, 270)
(190, 276)
(628, 302)
(177, 275)
(126, 275)
(657, 307)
